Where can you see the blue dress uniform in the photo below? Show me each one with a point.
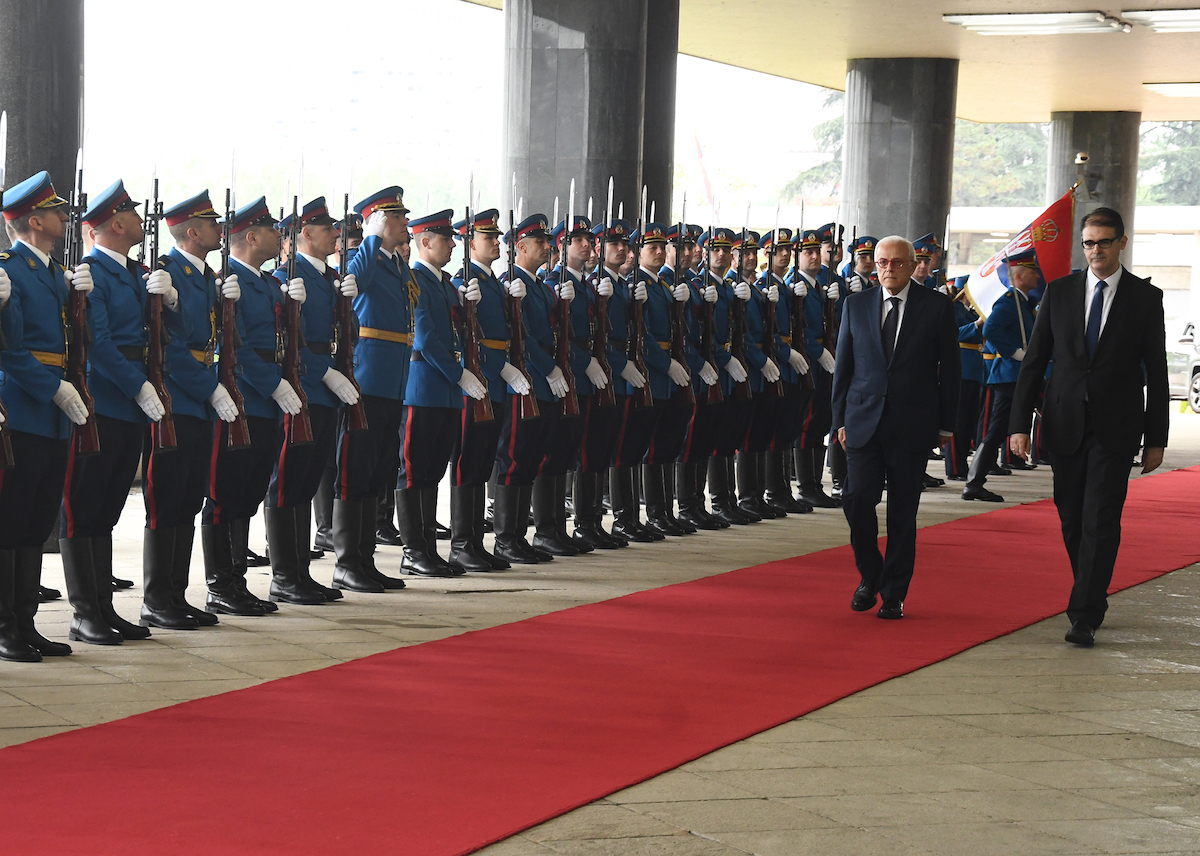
(33, 360)
(384, 311)
(433, 403)
(970, 344)
(1007, 332)
(97, 485)
(475, 451)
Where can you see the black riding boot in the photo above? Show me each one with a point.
(348, 571)
(544, 497)
(287, 584)
(225, 596)
(79, 570)
(239, 534)
(102, 557)
(463, 553)
(367, 540)
(506, 517)
(158, 583)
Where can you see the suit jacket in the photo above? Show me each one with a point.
(920, 384)
(1130, 355)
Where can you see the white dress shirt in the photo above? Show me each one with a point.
(887, 307)
(1089, 294)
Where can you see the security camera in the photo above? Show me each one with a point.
(1081, 158)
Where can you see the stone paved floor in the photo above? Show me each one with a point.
(1022, 745)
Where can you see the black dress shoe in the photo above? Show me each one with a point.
(932, 481)
(93, 631)
(205, 619)
(43, 645)
(891, 609)
(555, 546)
(355, 579)
(999, 471)
(233, 602)
(291, 592)
(253, 560)
(727, 514)
(1021, 465)
(1081, 634)
(47, 594)
(515, 554)
(982, 494)
(118, 583)
(817, 498)
(864, 598)
(956, 478)
(17, 650)
(169, 619)
(699, 522)
(387, 539)
(633, 532)
(443, 533)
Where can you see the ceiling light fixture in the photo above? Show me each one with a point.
(1175, 90)
(1167, 20)
(1040, 23)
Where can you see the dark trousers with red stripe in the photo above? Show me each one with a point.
(562, 439)
(299, 468)
(176, 480)
(817, 417)
(97, 485)
(238, 478)
(993, 430)
(31, 490)
(475, 451)
(427, 439)
(666, 444)
(363, 457)
(637, 428)
(522, 445)
(957, 448)
(701, 436)
(735, 422)
(790, 417)
(599, 435)
(763, 420)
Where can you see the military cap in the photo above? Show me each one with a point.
(1025, 258)
(863, 245)
(486, 223)
(388, 199)
(255, 214)
(674, 231)
(440, 223)
(785, 238)
(925, 246)
(810, 239)
(533, 226)
(718, 238)
(111, 201)
(33, 194)
(651, 233)
(581, 226)
(694, 232)
(617, 231)
(316, 213)
(198, 206)
(826, 233)
(751, 242)
(356, 223)
(961, 281)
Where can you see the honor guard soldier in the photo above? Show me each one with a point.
(1006, 332)
(385, 309)
(970, 344)
(831, 256)
(666, 376)
(41, 405)
(523, 442)
(601, 422)
(927, 250)
(858, 269)
(239, 477)
(433, 398)
(97, 485)
(299, 467)
(792, 367)
(475, 451)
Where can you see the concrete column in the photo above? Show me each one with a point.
(899, 145)
(1110, 140)
(658, 122)
(574, 91)
(41, 88)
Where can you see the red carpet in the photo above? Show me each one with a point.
(444, 747)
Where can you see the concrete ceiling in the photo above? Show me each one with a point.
(1001, 79)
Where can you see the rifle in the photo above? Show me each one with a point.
(239, 428)
(829, 307)
(562, 344)
(516, 342)
(606, 397)
(298, 428)
(684, 394)
(79, 333)
(708, 327)
(162, 432)
(6, 452)
(773, 389)
(344, 334)
(636, 322)
(796, 319)
(481, 409)
(737, 322)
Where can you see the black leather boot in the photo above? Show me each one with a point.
(624, 500)
(701, 470)
(564, 499)
(385, 518)
(749, 491)
(506, 517)
(525, 520)
(158, 586)
(79, 570)
(304, 518)
(434, 530)
(779, 491)
(543, 496)
(684, 527)
(12, 646)
(323, 510)
(654, 482)
(184, 536)
(416, 559)
(479, 503)
(224, 595)
(347, 542)
(724, 506)
(367, 539)
(287, 586)
(26, 581)
(463, 554)
(239, 535)
(102, 559)
(689, 508)
(809, 465)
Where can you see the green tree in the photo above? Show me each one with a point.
(999, 164)
(828, 136)
(1169, 167)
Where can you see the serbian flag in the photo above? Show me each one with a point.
(1050, 235)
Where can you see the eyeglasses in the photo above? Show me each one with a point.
(1103, 243)
(887, 263)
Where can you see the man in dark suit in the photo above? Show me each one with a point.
(1104, 329)
(895, 396)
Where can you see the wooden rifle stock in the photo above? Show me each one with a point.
(684, 394)
(606, 397)
(344, 333)
(829, 306)
(516, 341)
(562, 352)
(481, 409)
(238, 435)
(87, 436)
(797, 318)
(298, 428)
(773, 389)
(162, 432)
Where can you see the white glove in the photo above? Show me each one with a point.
(710, 294)
(340, 386)
(944, 289)
(516, 288)
(159, 282)
(515, 379)
(639, 293)
(742, 291)
(5, 287)
(374, 224)
(222, 402)
(472, 386)
(558, 383)
(797, 362)
(471, 291)
(800, 288)
(285, 396)
(678, 374)
(735, 369)
(825, 361)
(682, 292)
(595, 373)
(81, 278)
(708, 374)
(832, 291)
(770, 371)
(604, 287)
(565, 290)
(773, 293)
(1019, 354)
(348, 286)
(856, 284)
(294, 288)
(633, 376)
(229, 288)
(151, 404)
(68, 401)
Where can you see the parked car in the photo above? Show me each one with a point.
(1183, 367)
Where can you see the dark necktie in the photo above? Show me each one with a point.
(891, 323)
(1094, 318)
